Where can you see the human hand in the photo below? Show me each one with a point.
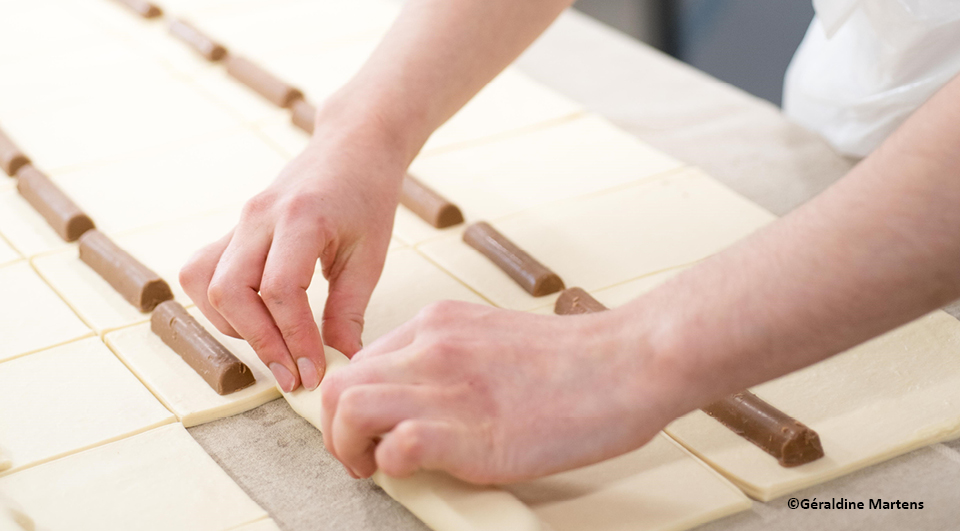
(335, 202)
(495, 396)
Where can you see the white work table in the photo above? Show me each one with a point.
(279, 459)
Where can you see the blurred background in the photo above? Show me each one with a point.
(748, 43)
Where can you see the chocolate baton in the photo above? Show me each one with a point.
(205, 46)
(11, 158)
(136, 282)
(213, 362)
(744, 413)
(263, 82)
(532, 276)
(303, 114)
(142, 8)
(428, 204)
(60, 211)
(780, 435)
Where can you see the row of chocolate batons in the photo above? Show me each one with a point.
(789, 441)
(137, 283)
(414, 195)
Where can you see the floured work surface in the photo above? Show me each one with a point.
(158, 480)
(69, 398)
(881, 399)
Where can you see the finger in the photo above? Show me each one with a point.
(420, 444)
(367, 412)
(398, 338)
(234, 293)
(347, 299)
(195, 279)
(291, 263)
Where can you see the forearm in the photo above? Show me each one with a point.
(437, 55)
(878, 249)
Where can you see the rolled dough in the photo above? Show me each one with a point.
(88, 399)
(164, 248)
(155, 481)
(178, 386)
(609, 238)
(884, 398)
(32, 316)
(572, 159)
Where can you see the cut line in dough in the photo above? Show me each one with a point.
(155, 481)
(88, 399)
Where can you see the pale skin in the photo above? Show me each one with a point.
(492, 395)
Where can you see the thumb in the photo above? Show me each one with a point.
(347, 299)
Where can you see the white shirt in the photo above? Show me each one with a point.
(866, 65)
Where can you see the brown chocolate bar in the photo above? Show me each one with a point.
(303, 114)
(213, 362)
(205, 46)
(775, 432)
(263, 82)
(523, 268)
(136, 282)
(428, 204)
(60, 211)
(11, 158)
(142, 8)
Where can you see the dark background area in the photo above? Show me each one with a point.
(747, 43)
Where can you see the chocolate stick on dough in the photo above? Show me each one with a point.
(205, 46)
(63, 215)
(213, 362)
(139, 285)
(142, 8)
(11, 158)
(428, 204)
(532, 276)
(264, 83)
(789, 441)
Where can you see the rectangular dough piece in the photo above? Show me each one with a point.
(659, 486)
(178, 182)
(32, 316)
(87, 398)
(572, 159)
(163, 248)
(409, 283)
(609, 238)
(12, 517)
(178, 386)
(8, 254)
(24, 227)
(888, 396)
(155, 481)
(36, 29)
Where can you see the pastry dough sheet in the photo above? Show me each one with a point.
(572, 159)
(262, 525)
(7, 254)
(88, 398)
(5, 461)
(155, 481)
(609, 238)
(32, 316)
(24, 227)
(893, 394)
(164, 248)
(12, 517)
(178, 386)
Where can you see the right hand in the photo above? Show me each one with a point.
(335, 202)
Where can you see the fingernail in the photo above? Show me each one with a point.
(283, 376)
(309, 376)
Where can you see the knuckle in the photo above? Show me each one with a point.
(300, 205)
(352, 408)
(409, 441)
(219, 293)
(277, 290)
(259, 204)
(437, 313)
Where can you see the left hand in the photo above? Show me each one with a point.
(494, 396)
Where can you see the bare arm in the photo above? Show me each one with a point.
(336, 201)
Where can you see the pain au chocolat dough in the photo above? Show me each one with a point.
(532, 276)
(213, 362)
(205, 46)
(60, 211)
(428, 204)
(137, 284)
(11, 158)
(788, 440)
(142, 8)
(264, 83)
